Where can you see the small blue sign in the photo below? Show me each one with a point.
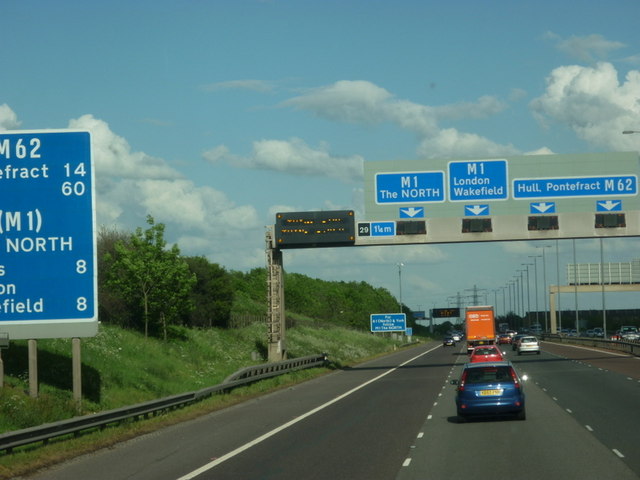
(478, 180)
(412, 212)
(609, 206)
(383, 229)
(570, 187)
(409, 187)
(388, 322)
(542, 207)
(409, 332)
(476, 210)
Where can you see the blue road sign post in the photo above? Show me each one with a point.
(47, 235)
(388, 322)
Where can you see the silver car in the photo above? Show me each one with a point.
(528, 345)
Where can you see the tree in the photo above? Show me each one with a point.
(112, 307)
(212, 294)
(150, 276)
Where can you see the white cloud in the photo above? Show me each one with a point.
(450, 143)
(113, 156)
(362, 102)
(588, 48)
(365, 103)
(485, 106)
(294, 157)
(540, 151)
(8, 118)
(346, 101)
(254, 85)
(131, 185)
(593, 103)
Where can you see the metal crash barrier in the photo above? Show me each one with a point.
(632, 348)
(43, 433)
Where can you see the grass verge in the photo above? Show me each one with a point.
(125, 368)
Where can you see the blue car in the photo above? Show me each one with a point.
(489, 388)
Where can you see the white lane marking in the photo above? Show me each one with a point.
(279, 429)
(406, 462)
(421, 434)
(569, 410)
(589, 428)
(618, 452)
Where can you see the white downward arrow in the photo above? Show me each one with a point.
(411, 212)
(609, 204)
(476, 209)
(542, 207)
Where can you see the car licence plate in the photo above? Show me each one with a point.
(486, 393)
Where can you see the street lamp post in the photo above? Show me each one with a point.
(558, 296)
(522, 306)
(604, 309)
(526, 266)
(400, 265)
(535, 279)
(545, 293)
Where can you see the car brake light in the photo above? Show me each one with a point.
(514, 377)
(463, 378)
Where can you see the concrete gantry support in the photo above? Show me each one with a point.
(276, 315)
(555, 289)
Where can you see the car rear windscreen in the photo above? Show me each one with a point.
(489, 374)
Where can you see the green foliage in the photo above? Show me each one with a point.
(121, 367)
(347, 304)
(148, 276)
(144, 286)
(211, 295)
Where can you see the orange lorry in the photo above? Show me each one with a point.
(480, 325)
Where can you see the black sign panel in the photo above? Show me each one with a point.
(445, 312)
(315, 229)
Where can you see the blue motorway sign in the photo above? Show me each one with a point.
(388, 322)
(568, 187)
(47, 228)
(409, 187)
(478, 180)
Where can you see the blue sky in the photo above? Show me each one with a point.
(214, 115)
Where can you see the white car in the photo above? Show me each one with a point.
(528, 345)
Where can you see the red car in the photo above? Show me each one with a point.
(486, 353)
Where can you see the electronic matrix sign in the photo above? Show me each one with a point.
(315, 229)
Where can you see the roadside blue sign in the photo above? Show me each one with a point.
(478, 180)
(409, 187)
(47, 229)
(569, 187)
(388, 322)
(383, 229)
